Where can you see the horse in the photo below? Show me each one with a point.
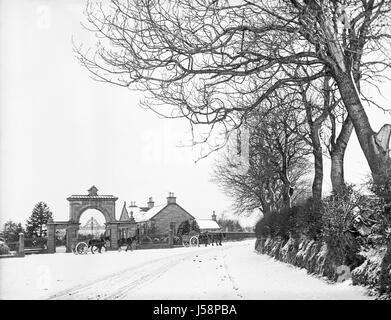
(211, 238)
(98, 243)
(128, 242)
(203, 238)
(218, 237)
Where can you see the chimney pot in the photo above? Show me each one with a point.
(133, 203)
(150, 203)
(171, 198)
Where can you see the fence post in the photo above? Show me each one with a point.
(171, 238)
(21, 245)
(171, 234)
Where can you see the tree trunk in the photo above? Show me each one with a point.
(375, 146)
(318, 163)
(337, 154)
(314, 126)
(337, 171)
(286, 196)
(266, 210)
(287, 190)
(318, 157)
(318, 177)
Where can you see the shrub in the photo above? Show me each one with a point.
(267, 225)
(146, 239)
(4, 249)
(385, 273)
(60, 241)
(39, 242)
(382, 188)
(184, 228)
(307, 219)
(303, 219)
(177, 240)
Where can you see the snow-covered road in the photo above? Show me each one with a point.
(233, 271)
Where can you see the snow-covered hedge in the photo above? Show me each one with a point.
(317, 258)
(350, 230)
(301, 252)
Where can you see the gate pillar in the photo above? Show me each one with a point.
(113, 230)
(51, 236)
(72, 231)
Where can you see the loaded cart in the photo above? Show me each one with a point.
(191, 239)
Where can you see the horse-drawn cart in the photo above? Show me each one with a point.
(190, 240)
(194, 239)
(95, 245)
(81, 248)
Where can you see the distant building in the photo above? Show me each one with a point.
(93, 227)
(126, 226)
(157, 219)
(209, 225)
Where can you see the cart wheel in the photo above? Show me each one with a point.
(81, 248)
(194, 241)
(94, 249)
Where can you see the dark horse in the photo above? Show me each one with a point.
(211, 238)
(204, 238)
(217, 237)
(98, 243)
(129, 242)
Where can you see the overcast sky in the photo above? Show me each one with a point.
(62, 132)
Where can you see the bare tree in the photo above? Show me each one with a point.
(277, 161)
(207, 58)
(254, 188)
(277, 134)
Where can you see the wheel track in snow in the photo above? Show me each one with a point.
(231, 279)
(118, 284)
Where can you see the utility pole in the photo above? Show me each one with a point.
(92, 226)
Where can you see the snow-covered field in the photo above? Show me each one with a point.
(233, 271)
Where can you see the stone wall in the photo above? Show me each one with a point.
(368, 273)
(232, 236)
(301, 252)
(316, 258)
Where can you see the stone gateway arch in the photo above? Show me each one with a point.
(77, 205)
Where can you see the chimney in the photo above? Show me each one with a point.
(171, 198)
(214, 216)
(131, 217)
(150, 203)
(132, 204)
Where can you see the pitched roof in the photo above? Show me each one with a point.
(207, 224)
(124, 214)
(92, 223)
(84, 197)
(141, 216)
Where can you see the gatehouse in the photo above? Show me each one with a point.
(80, 203)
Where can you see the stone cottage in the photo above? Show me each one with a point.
(157, 219)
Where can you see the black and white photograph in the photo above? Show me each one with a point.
(195, 150)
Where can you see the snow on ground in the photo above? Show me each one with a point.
(232, 271)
